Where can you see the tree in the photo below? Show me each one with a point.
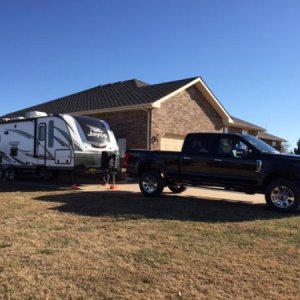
(297, 150)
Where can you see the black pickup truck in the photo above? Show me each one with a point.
(234, 162)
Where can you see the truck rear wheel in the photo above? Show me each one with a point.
(10, 173)
(176, 188)
(283, 195)
(151, 183)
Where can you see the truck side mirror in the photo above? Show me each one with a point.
(241, 153)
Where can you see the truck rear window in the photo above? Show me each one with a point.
(198, 145)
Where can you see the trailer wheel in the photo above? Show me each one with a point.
(283, 195)
(176, 188)
(151, 183)
(10, 174)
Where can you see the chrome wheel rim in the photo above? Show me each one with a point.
(149, 184)
(282, 196)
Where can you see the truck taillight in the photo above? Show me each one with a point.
(125, 160)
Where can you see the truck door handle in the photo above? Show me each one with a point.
(187, 157)
(258, 166)
(218, 160)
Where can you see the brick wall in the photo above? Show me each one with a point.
(131, 125)
(186, 112)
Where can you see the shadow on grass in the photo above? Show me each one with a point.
(29, 185)
(35, 184)
(129, 205)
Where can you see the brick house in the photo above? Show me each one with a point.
(272, 140)
(244, 127)
(150, 116)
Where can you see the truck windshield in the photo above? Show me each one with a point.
(260, 145)
(93, 129)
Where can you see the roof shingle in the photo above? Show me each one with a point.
(112, 95)
(239, 122)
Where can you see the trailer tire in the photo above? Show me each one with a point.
(283, 195)
(10, 174)
(176, 188)
(151, 183)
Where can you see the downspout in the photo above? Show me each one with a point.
(149, 115)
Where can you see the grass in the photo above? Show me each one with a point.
(113, 245)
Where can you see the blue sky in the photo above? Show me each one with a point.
(248, 52)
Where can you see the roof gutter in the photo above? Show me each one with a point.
(241, 126)
(146, 106)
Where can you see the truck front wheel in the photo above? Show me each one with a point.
(176, 188)
(151, 183)
(283, 195)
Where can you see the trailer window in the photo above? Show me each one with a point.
(93, 129)
(14, 151)
(51, 134)
(42, 132)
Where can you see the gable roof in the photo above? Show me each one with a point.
(246, 125)
(270, 137)
(112, 95)
(129, 94)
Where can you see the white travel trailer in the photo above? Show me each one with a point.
(47, 144)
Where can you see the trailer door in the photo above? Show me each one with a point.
(41, 144)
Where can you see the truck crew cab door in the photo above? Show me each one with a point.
(197, 158)
(235, 161)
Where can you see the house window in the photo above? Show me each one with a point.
(244, 131)
(226, 130)
(273, 143)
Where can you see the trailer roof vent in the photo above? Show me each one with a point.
(17, 118)
(5, 119)
(35, 114)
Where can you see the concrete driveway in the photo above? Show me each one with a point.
(190, 192)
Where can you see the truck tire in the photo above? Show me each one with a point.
(283, 195)
(151, 183)
(176, 188)
(10, 174)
